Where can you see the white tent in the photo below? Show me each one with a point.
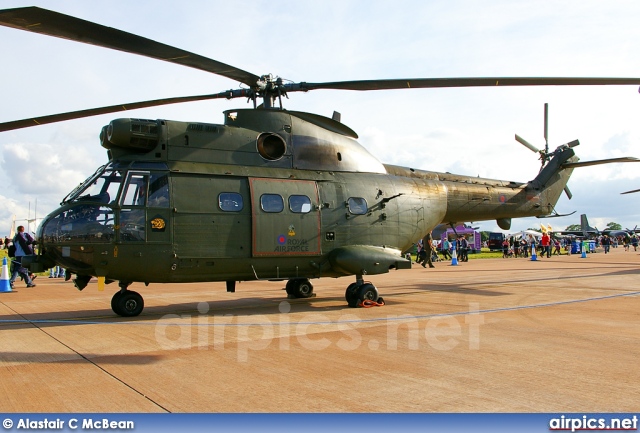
(526, 233)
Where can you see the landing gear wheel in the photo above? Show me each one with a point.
(114, 301)
(129, 304)
(290, 287)
(351, 295)
(358, 292)
(367, 292)
(299, 288)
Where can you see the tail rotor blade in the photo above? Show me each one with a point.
(567, 191)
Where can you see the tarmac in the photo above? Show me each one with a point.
(557, 334)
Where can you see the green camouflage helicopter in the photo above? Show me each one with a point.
(270, 194)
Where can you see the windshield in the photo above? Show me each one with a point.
(102, 186)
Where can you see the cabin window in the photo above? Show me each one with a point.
(357, 205)
(271, 203)
(300, 204)
(230, 202)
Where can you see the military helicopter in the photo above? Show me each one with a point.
(269, 194)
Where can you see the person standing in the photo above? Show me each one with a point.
(24, 247)
(532, 244)
(446, 245)
(545, 242)
(427, 246)
(420, 252)
(464, 249)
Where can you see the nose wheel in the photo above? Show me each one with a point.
(127, 303)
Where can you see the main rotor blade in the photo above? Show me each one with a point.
(573, 143)
(629, 192)
(546, 127)
(417, 83)
(43, 120)
(598, 162)
(527, 144)
(46, 22)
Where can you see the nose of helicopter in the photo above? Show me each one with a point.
(68, 235)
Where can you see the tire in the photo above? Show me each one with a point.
(290, 287)
(367, 292)
(351, 295)
(299, 288)
(114, 301)
(304, 289)
(130, 304)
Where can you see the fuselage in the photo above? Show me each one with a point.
(267, 195)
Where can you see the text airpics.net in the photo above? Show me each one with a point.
(258, 332)
(591, 423)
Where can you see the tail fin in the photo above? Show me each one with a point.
(585, 227)
(553, 177)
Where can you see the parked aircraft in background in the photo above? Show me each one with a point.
(586, 230)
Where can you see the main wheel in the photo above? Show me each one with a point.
(129, 304)
(290, 287)
(300, 288)
(367, 292)
(114, 301)
(351, 295)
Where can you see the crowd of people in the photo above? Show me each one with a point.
(546, 245)
(429, 250)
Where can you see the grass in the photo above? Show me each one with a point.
(486, 254)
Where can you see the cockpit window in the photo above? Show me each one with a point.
(101, 187)
(159, 190)
(81, 223)
(135, 192)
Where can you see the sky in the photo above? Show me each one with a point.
(465, 131)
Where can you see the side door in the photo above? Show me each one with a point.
(285, 217)
(144, 225)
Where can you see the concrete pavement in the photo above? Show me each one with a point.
(490, 335)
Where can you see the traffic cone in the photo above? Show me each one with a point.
(454, 258)
(5, 286)
(584, 251)
(534, 257)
